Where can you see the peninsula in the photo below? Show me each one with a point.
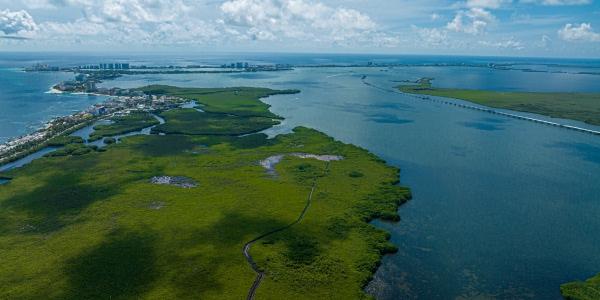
(199, 211)
(583, 107)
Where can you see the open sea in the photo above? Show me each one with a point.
(503, 208)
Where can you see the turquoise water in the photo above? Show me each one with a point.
(502, 208)
(25, 104)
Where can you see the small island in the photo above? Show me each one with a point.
(195, 212)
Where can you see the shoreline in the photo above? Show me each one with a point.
(396, 197)
(422, 89)
(54, 90)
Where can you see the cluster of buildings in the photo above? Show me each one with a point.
(14, 145)
(255, 68)
(111, 66)
(237, 65)
(128, 100)
(119, 92)
(102, 66)
(41, 67)
(82, 84)
(51, 129)
(86, 83)
(267, 68)
(134, 100)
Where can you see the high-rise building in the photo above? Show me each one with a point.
(90, 86)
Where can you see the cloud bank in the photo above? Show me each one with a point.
(583, 32)
(16, 22)
(492, 26)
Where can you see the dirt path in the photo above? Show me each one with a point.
(260, 274)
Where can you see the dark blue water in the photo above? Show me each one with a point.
(502, 208)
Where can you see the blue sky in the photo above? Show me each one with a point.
(557, 28)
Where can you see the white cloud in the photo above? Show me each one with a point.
(296, 19)
(124, 21)
(473, 21)
(432, 36)
(129, 11)
(182, 21)
(44, 4)
(504, 44)
(492, 4)
(134, 11)
(583, 32)
(545, 42)
(558, 2)
(16, 22)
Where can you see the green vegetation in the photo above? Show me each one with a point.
(191, 121)
(239, 101)
(583, 107)
(64, 140)
(93, 226)
(73, 149)
(109, 140)
(588, 290)
(356, 174)
(124, 124)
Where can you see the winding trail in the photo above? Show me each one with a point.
(260, 274)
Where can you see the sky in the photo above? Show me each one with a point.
(545, 28)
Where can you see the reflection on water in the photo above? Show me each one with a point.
(585, 151)
(482, 126)
(388, 119)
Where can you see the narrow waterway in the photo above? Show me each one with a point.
(83, 133)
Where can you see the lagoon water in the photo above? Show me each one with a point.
(502, 208)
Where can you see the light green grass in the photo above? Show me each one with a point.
(92, 226)
(583, 107)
